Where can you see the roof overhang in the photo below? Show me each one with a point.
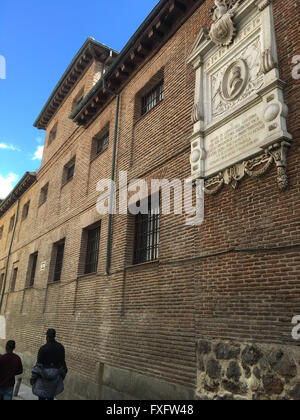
(90, 51)
(28, 179)
(154, 32)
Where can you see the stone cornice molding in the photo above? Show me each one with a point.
(90, 51)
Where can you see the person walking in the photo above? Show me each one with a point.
(10, 366)
(48, 374)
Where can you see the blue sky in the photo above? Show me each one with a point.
(38, 40)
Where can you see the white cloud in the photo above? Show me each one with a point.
(38, 155)
(9, 147)
(7, 184)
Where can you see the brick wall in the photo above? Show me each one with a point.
(225, 279)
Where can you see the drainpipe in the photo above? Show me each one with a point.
(8, 256)
(113, 170)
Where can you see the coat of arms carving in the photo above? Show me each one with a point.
(223, 31)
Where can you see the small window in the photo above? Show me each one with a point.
(52, 134)
(147, 231)
(102, 143)
(153, 97)
(1, 232)
(32, 269)
(25, 210)
(92, 251)
(14, 279)
(59, 250)
(68, 172)
(11, 223)
(78, 99)
(1, 281)
(44, 194)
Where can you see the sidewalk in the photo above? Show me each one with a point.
(25, 394)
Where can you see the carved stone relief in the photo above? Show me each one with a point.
(239, 114)
(238, 81)
(254, 168)
(223, 31)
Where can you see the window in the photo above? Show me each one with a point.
(102, 143)
(153, 97)
(1, 232)
(1, 281)
(32, 269)
(25, 210)
(92, 252)
(14, 279)
(78, 99)
(11, 223)
(52, 134)
(44, 194)
(68, 172)
(59, 250)
(147, 229)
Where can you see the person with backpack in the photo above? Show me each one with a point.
(48, 374)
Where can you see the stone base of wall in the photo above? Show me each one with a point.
(234, 371)
(119, 384)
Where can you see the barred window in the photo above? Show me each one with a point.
(69, 170)
(153, 97)
(32, 269)
(44, 194)
(147, 231)
(14, 279)
(25, 210)
(1, 281)
(60, 250)
(92, 253)
(11, 223)
(52, 134)
(102, 143)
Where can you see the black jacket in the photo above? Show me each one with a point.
(52, 355)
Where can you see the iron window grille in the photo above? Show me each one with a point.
(153, 97)
(25, 210)
(1, 281)
(44, 194)
(52, 135)
(60, 250)
(102, 143)
(14, 279)
(33, 264)
(147, 232)
(92, 254)
(11, 223)
(70, 172)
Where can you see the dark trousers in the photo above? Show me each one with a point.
(6, 394)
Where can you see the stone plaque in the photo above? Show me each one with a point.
(239, 110)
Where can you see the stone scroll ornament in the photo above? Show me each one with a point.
(254, 168)
(223, 31)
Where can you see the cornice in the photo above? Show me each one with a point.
(155, 31)
(90, 51)
(28, 179)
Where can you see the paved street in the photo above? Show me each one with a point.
(25, 394)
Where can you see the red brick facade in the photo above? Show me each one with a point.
(235, 277)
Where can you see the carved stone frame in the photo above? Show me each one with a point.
(274, 140)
